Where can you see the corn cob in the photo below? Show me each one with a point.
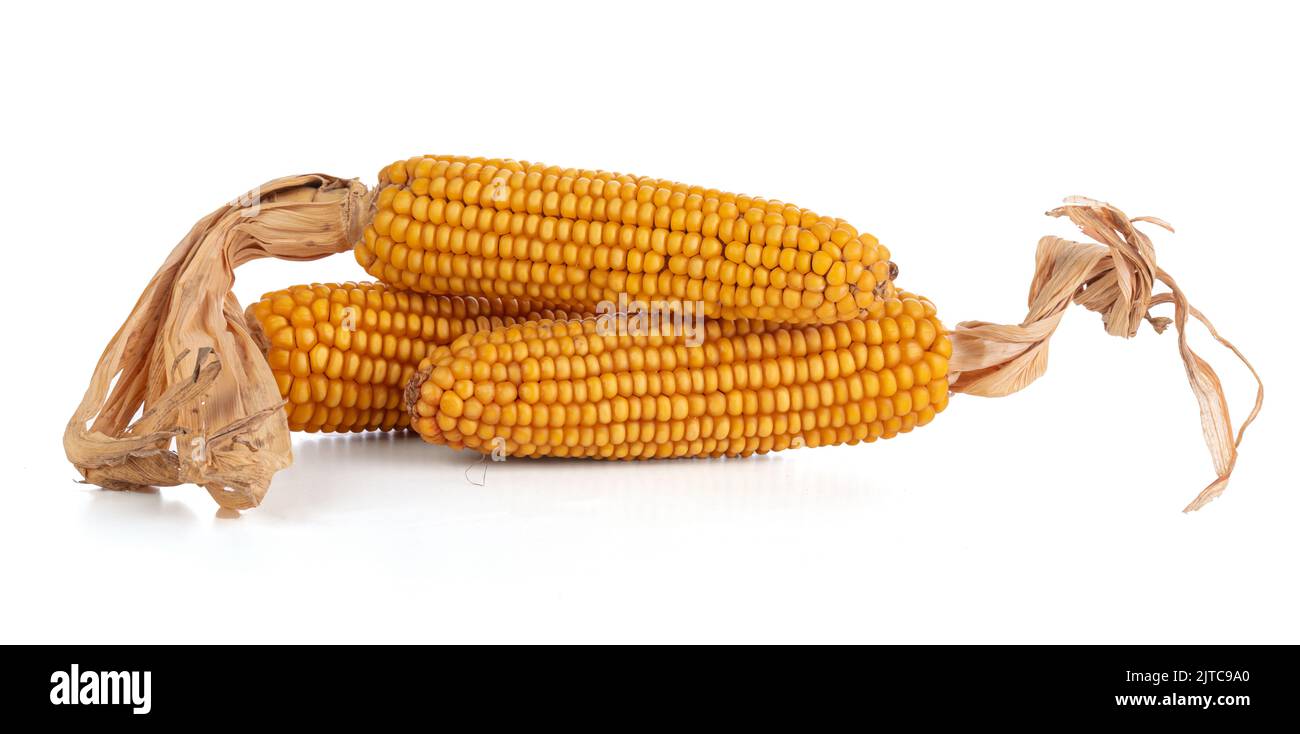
(576, 238)
(571, 388)
(342, 353)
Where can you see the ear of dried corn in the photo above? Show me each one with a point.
(574, 238)
(578, 388)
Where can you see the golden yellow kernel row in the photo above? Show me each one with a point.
(342, 354)
(577, 388)
(575, 238)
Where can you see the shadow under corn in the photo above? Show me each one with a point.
(338, 476)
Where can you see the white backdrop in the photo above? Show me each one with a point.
(945, 129)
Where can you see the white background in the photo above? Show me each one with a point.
(944, 129)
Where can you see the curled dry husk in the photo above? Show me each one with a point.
(209, 411)
(1116, 279)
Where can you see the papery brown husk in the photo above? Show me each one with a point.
(1116, 279)
(209, 409)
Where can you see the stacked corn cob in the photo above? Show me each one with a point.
(496, 270)
(492, 328)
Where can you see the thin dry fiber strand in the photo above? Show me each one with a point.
(210, 409)
(1115, 279)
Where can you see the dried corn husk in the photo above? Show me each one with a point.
(209, 410)
(1116, 279)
